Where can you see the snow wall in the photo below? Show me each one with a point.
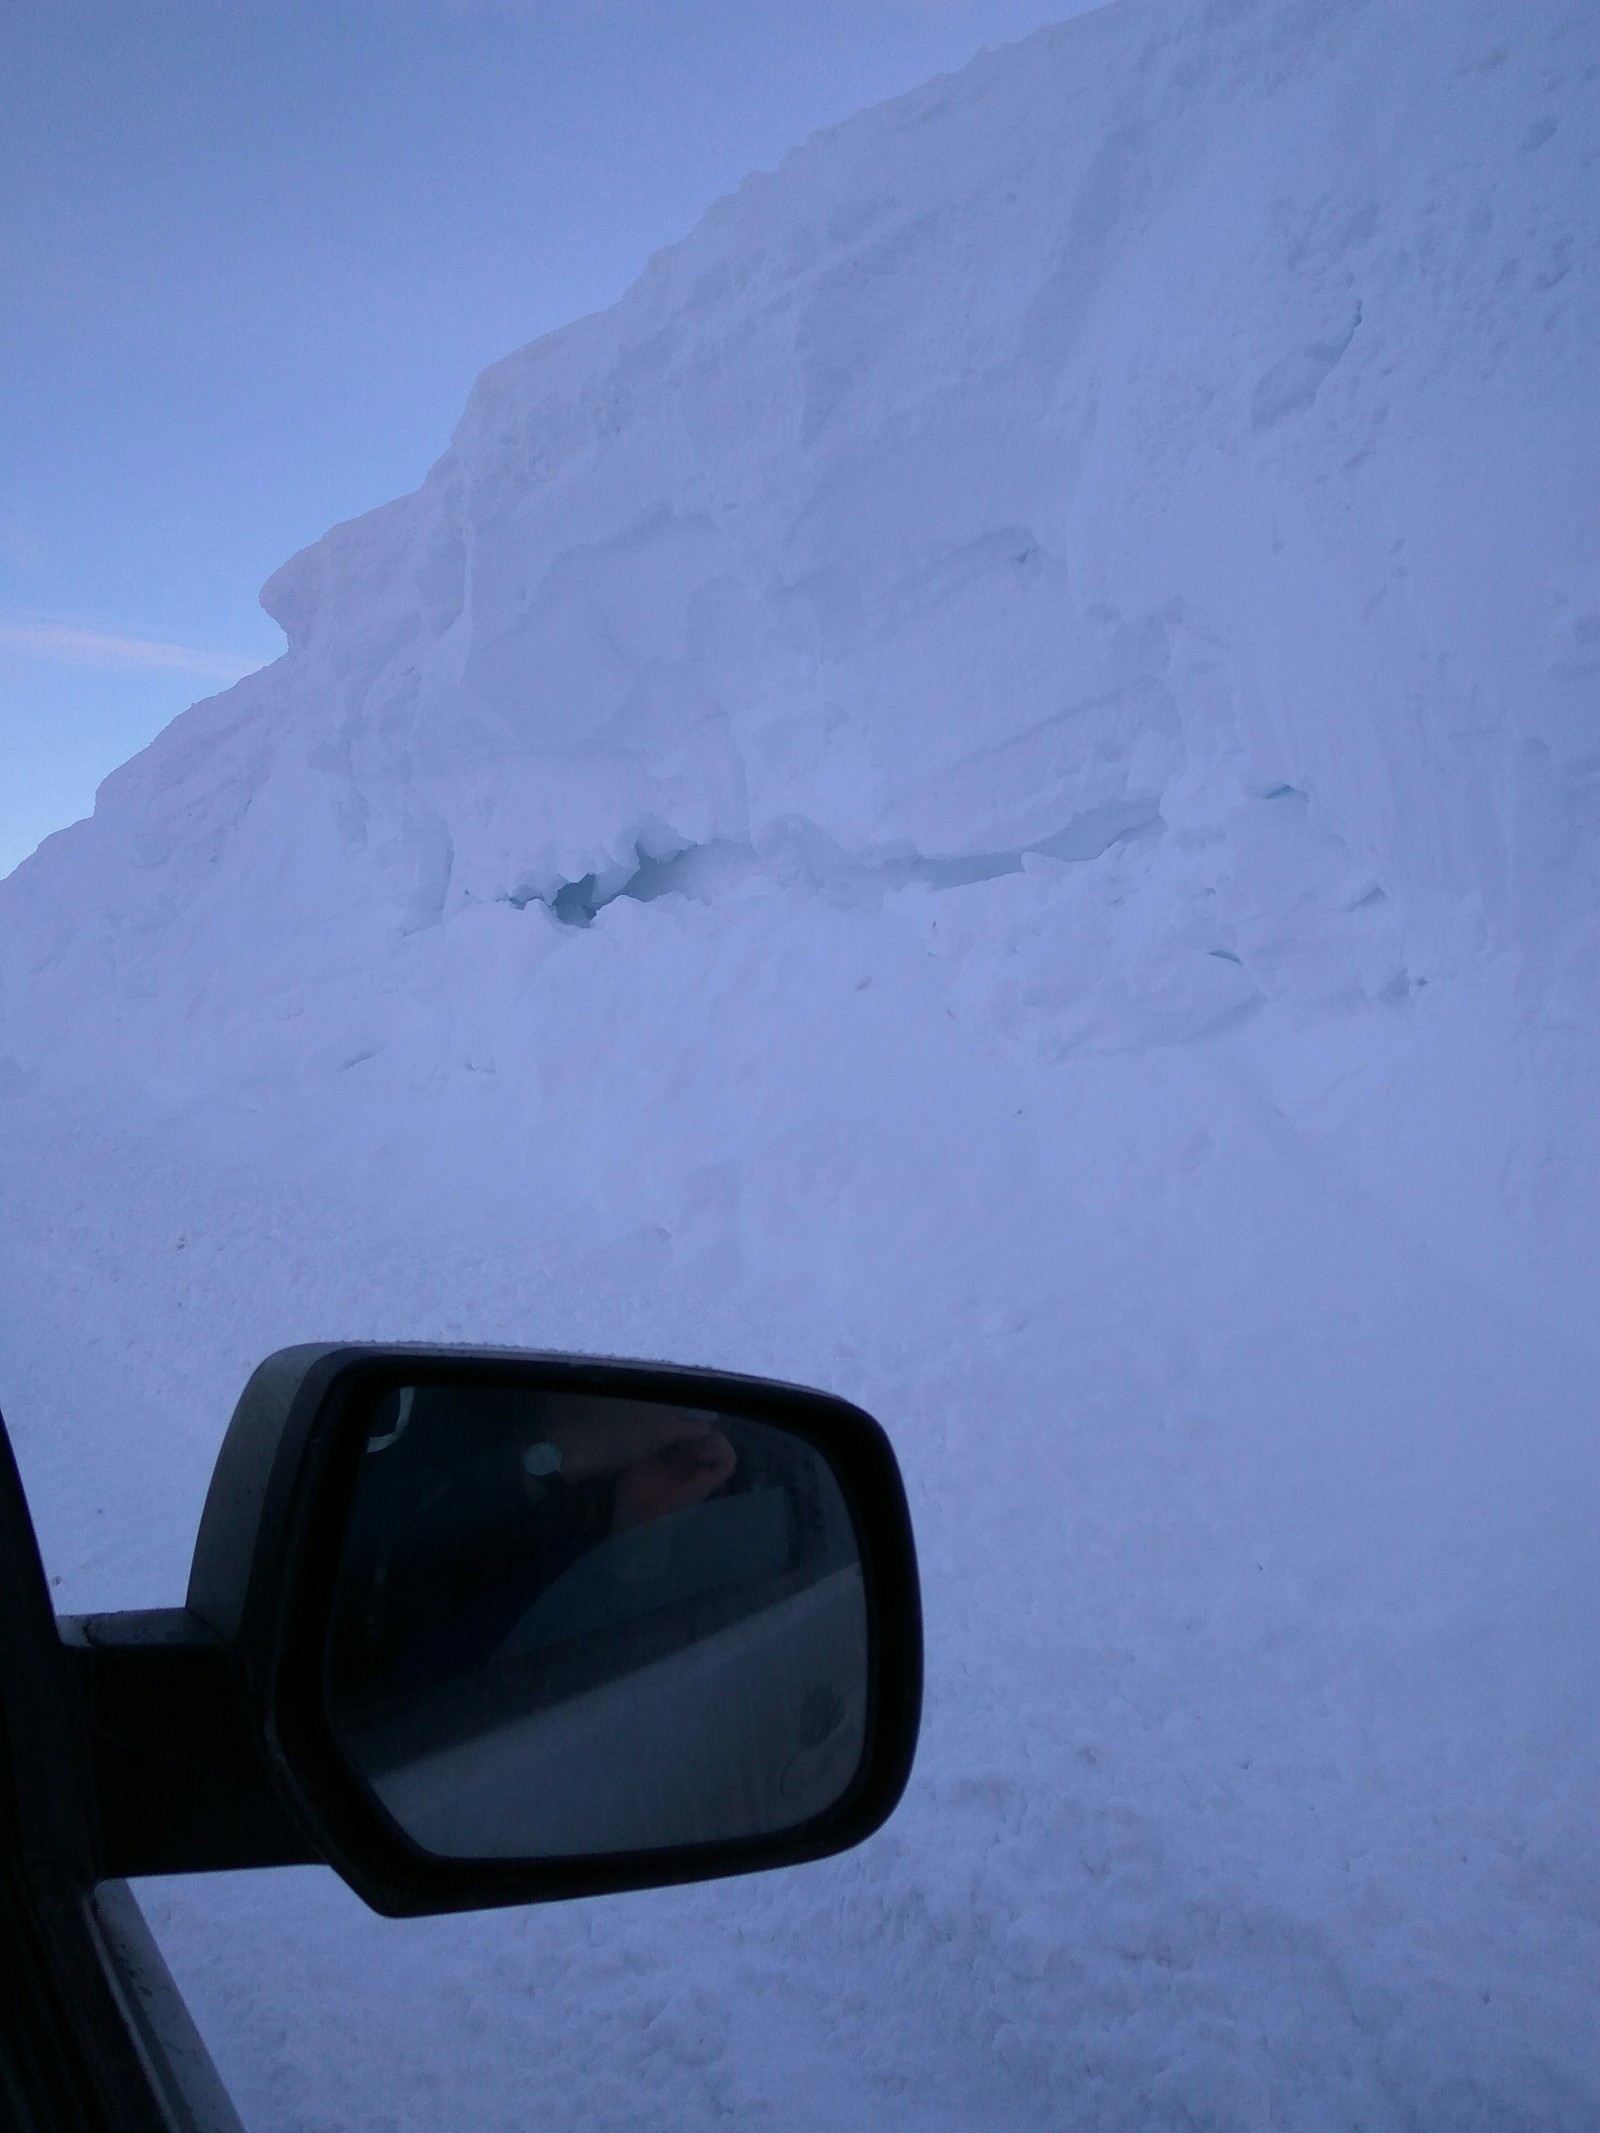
(987, 792)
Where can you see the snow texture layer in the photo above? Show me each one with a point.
(987, 793)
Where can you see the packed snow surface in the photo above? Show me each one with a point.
(987, 794)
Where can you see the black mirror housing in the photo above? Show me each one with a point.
(272, 1552)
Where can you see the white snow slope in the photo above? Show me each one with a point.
(1056, 642)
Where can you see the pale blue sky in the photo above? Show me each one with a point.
(252, 255)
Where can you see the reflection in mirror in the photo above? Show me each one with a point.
(573, 1625)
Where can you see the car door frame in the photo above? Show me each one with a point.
(94, 2034)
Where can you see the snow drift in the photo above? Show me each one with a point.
(987, 791)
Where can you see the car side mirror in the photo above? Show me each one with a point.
(510, 1627)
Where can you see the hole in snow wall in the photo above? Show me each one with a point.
(700, 869)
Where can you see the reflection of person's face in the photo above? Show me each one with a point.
(683, 1472)
(661, 1459)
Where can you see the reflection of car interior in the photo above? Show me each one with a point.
(598, 1659)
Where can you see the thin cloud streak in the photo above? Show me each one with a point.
(64, 645)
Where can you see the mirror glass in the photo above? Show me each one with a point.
(574, 1625)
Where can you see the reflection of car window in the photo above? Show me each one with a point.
(677, 1558)
(755, 1727)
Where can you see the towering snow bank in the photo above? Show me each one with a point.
(1184, 407)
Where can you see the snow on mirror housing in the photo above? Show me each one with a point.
(529, 1626)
